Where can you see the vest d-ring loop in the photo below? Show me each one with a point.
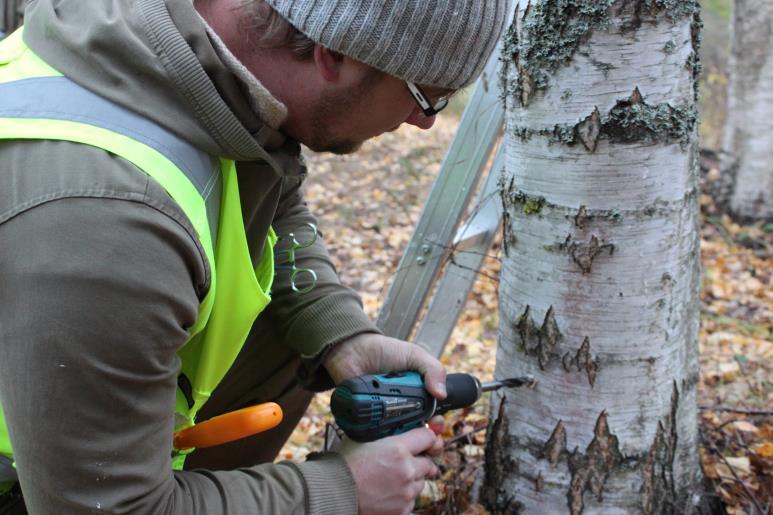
(298, 275)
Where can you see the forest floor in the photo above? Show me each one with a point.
(368, 204)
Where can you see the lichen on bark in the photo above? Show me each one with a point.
(631, 120)
(529, 204)
(650, 10)
(552, 39)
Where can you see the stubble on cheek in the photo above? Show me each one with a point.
(328, 122)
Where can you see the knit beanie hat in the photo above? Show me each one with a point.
(443, 43)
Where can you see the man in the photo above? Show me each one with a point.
(149, 150)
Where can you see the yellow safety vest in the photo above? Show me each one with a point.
(38, 102)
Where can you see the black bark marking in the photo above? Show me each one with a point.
(589, 130)
(566, 362)
(525, 85)
(537, 340)
(539, 483)
(526, 330)
(555, 447)
(590, 470)
(583, 254)
(581, 218)
(636, 97)
(499, 466)
(548, 338)
(584, 360)
(658, 490)
(667, 281)
(505, 193)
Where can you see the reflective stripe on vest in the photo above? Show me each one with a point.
(59, 98)
(54, 107)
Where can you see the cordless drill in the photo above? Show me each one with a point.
(370, 407)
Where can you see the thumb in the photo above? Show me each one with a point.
(433, 371)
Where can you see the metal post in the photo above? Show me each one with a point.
(433, 237)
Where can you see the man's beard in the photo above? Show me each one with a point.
(331, 107)
(340, 147)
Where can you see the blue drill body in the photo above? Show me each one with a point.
(370, 407)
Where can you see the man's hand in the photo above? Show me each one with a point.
(371, 353)
(390, 473)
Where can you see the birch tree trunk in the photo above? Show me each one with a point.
(749, 152)
(11, 15)
(600, 280)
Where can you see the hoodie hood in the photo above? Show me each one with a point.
(160, 59)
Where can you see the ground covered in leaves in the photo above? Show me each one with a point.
(368, 204)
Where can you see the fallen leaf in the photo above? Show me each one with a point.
(764, 449)
(710, 470)
(745, 426)
(740, 464)
(473, 451)
(729, 371)
(476, 509)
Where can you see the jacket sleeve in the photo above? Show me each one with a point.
(328, 314)
(97, 290)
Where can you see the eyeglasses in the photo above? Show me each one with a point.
(427, 107)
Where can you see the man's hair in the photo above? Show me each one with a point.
(265, 28)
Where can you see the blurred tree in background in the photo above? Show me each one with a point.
(10, 15)
(747, 157)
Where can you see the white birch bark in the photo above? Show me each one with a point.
(749, 133)
(599, 286)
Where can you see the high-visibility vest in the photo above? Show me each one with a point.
(38, 103)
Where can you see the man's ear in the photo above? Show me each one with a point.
(328, 63)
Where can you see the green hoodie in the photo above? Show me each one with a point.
(101, 275)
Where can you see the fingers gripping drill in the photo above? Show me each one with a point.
(366, 408)
(370, 407)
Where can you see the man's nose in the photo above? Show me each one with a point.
(418, 119)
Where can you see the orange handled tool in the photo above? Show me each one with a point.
(229, 426)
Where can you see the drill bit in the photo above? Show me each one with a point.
(511, 382)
